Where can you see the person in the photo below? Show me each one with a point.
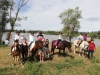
(85, 37)
(24, 47)
(80, 39)
(40, 36)
(31, 37)
(59, 38)
(21, 39)
(47, 48)
(41, 53)
(15, 46)
(15, 38)
(91, 49)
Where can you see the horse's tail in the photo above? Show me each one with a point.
(51, 45)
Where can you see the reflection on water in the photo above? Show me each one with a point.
(50, 37)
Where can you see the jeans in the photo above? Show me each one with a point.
(90, 54)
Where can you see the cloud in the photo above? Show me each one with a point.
(93, 19)
(43, 14)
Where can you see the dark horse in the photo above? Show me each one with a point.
(61, 46)
(35, 48)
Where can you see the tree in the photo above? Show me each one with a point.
(4, 6)
(70, 20)
(15, 18)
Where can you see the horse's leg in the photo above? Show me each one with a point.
(14, 58)
(80, 50)
(83, 53)
(53, 50)
(48, 53)
(59, 53)
(64, 52)
(18, 58)
(74, 49)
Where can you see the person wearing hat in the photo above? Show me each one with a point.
(15, 37)
(40, 36)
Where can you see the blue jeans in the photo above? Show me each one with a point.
(90, 53)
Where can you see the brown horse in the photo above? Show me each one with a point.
(35, 48)
(61, 46)
(16, 52)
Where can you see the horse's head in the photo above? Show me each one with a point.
(40, 44)
(68, 45)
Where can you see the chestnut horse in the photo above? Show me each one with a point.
(33, 51)
(16, 52)
(61, 46)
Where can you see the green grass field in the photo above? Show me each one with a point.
(72, 64)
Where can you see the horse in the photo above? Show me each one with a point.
(34, 47)
(82, 47)
(61, 46)
(16, 52)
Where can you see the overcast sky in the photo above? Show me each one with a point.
(43, 14)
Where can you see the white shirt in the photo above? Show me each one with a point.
(59, 36)
(31, 38)
(21, 39)
(15, 37)
(80, 37)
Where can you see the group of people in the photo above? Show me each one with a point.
(20, 40)
(91, 47)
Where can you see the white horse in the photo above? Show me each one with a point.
(83, 46)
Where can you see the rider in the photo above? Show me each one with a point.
(31, 37)
(59, 38)
(40, 36)
(85, 37)
(15, 37)
(80, 39)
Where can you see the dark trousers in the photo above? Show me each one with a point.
(90, 54)
(58, 41)
(24, 55)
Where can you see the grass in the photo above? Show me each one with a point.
(57, 66)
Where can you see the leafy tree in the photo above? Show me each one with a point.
(70, 20)
(14, 19)
(4, 6)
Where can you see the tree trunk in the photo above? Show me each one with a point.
(70, 38)
(12, 29)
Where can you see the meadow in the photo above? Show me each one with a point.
(71, 64)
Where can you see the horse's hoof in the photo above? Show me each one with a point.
(13, 64)
(23, 66)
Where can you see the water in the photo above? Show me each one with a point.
(50, 37)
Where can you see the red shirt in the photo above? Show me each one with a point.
(91, 46)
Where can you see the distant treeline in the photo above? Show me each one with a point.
(35, 31)
(95, 34)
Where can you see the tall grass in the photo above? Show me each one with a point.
(51, 68)
(94, 70)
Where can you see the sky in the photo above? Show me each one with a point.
(44, 14)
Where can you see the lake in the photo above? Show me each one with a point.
(50, 37)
